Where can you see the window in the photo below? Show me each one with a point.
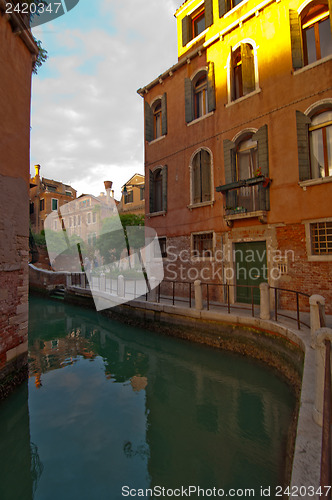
(200, 94)
(68, 193)
(201, 177)
(142, 193)
(88, 218)
(94, 217)
(32, 207)
(41, 205)
(155, 117)
(316, 33)
(55, 203)
(246, 165)
(51, 189)
(157, 128)
(78, 220)
(242, 158)
(158, 190)
(128, 197)
(314, 141)
(311, 38)
(195, 23)
(320, 143)
(321, 238)
(203, 245)
(226, 5)
(242, 71)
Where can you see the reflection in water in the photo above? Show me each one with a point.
(112, 405)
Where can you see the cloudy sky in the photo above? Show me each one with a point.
(87, 119)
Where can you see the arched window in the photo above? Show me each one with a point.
(314, 139)
(316, 32)
(201, 177)
(199, 93)
(158, 189)
(246, 167)
(155, 118)
(320, 144)
(242, 71)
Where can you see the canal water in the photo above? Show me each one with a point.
(109, 406)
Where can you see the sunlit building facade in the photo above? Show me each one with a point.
(238, 146)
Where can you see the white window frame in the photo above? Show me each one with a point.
(312, 257)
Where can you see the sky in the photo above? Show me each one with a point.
(86, 117)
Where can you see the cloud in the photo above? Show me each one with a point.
(87, 119)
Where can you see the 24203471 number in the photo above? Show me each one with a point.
(302, 491)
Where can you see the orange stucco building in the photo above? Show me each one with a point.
(133, 196)
(46, 196)
(238, 146)
(18, 52)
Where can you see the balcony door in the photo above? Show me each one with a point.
(246, 159)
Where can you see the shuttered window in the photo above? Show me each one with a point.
(158, 190)
(155, 117)
(201, 177)
(311, 33)
(226, 5)
(242, 71)
(194, 24)
(199, 94)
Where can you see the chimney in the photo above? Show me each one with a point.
(37, 170)
(108, 187)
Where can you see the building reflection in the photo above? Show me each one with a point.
(220, 415)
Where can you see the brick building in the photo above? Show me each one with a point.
(46, 196)
(18, 52)
(133, 196)
(238, 146)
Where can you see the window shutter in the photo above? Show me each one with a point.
(164, 188)
(302, 127)
(186, 25)
(231, 74)
(151, 192)
(164, 114)
(148, 122)
(222, 7)
(248, 68)
(211, 90)
(189, 99)
(208, 10)
(206, 175)
(261, 136)
(230, 170)
(196, 178)
(296, 39)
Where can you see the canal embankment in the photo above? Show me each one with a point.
(278, 343)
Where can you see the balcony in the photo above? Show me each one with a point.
(245, 199)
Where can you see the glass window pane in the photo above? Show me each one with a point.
(316, 154)
(310, 43)
(199, 24)
(325, 38)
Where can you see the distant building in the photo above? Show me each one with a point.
(133, 196)
(18, 54)
(46, 196)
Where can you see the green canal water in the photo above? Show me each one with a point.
(109, 405)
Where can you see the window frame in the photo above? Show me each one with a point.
(200, 235)
(313, 22)
(312, 257)
(193, 177)
(57, 204)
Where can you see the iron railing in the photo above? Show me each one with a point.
(297, 296)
